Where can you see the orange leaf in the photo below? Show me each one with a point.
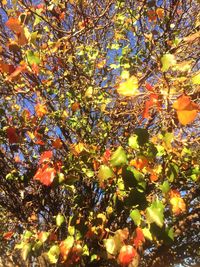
(40, 110)
(45, 175)
(160, 13)
(14, 25)
(57, 143)
(45, 157)
(186, 109)
(75, 106)
(177, 203)
(139, 163)
(15, 74)
(153, 177)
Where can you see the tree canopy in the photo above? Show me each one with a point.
(99, 139)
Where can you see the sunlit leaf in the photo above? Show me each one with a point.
(45, 156)
(45, 175)
(196, 78)
(129, 87)
(155, 213)
(53, 254)
(186, 109)
(59, 220)
(135, 216)
(105, 173)
(119, 157)
(168, 60)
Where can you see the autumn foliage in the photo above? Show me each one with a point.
(99, 139)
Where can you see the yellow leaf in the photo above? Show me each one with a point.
(196, 78)
(129, 87)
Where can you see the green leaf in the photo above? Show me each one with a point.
(143, 136)
(69, 242)
(170, 233)
(53, 254)
(147, 233)
(155, 213)
(165, 187)
(27, 235)
(172, 172)
(59, 220)
(105, 173)
(167, 60)
(32, 57)
(133, 141)
(119, 157)
(135, 216)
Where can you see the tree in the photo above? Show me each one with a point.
(99, 137)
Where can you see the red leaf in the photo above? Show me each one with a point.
(126, 255)
(139, 238)
(106, 156)
(12, 135)
(153, 101)
(45, 157)
(149, 87)
(45, 175)
(8, 235)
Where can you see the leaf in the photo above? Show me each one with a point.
(186, 109)
(160, 13)
(139, 237)
(53, 254)
(153, 101)
(155, 213)
(45, 175)
(151, 14)
(165, 187)
(105, 173)
(139, 163)
(177, 203)
(147, 233)
(43, 236)
(135, 216)
(12, 135)
(129, 87)
(40, 110)
(167, 60)
(133, 141)
(143, 136)
(119, 157)
(59, 220)
(16, 73)
(14, 25)
(196, 78)
(33, 58)
(46, 156)
(26, 249)
(57, 143)
(8, 235)
(111, 246)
